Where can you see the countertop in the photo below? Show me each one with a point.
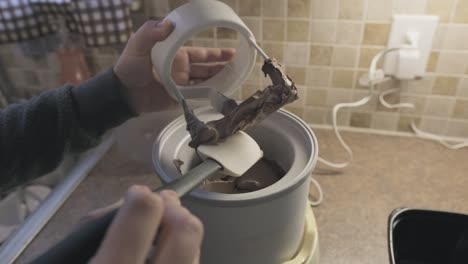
(387, 173)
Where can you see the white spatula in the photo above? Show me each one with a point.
(234, 157)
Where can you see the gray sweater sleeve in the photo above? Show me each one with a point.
(36, 134)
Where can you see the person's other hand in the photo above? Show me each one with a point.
(135, 70)
(195, 64)
(143, 216)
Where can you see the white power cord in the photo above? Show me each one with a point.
(445, 143)
(319, 199)
(348, 150)
(456, 144)
(393, 106)
(374, 76)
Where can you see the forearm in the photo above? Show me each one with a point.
(36, 134)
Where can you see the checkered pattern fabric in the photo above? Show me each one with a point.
(100, 22)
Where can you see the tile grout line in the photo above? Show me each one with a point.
(376, 131)
(443, 50)
(449, 24)
(308, 48)
(333, 44)
(461, 51)
(284, 43)
(361, 37)
(394, 113)
(453, 11)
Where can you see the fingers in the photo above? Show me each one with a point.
(201, 55)
(181, 67)
(205, 71)
(131, 234)
(147, 35)
(181, 234)
(181, 78)
(101, 211)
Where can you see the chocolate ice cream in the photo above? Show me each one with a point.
(263, 174)
(248, 113)
(238, 117)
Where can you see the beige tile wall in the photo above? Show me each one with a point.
(326, 45)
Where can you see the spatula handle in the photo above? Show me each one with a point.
(192, 179)
(82, 244)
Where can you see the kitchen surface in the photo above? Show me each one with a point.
(387, 74)
(388, 173)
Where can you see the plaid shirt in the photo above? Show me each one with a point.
(99, 22)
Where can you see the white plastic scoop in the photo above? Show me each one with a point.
(233, 156)
(236, 154)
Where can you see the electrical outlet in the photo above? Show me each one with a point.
(415, 32)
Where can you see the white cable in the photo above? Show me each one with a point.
(375, 60)
(429, 136)
(343, 143)
(372, 76)
(348, 150)
(372, 81)
(393, 106)
(319, 191)
(457, 144)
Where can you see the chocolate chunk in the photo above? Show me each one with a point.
(178, 164)
(263, 174)
(248, 113)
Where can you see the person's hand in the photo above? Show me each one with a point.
(143, 216)
(135, 70)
